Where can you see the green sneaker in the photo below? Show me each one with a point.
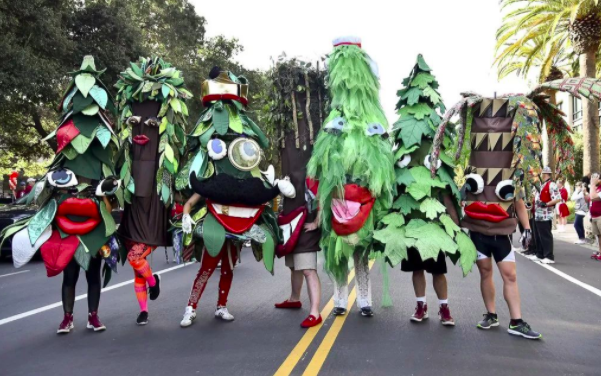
(524, 330)
(488, 322)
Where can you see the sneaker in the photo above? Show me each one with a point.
(311, 321)
(547, 261)
(421, 312)
(367, 312)
(155, 290)
(94, 322)
(222, 313)
(580, 241)
(488, 322)
(288, 304)
(66, 325)
(444, 314)
(339, 311)
(142, 318)
(532, 257)
(524, 330)
(189, 317)
(595, 255)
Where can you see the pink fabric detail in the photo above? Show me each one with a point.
(345, 210)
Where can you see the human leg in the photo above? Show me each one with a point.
(363, 283)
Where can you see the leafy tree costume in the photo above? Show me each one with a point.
(352, 160)
(424, 216)
(151, 97)
(231, 193)
(73, 227)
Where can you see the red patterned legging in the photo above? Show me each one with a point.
(143, 273)
(228, 257)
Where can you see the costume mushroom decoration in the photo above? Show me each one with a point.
(226, 150)
(74, 219)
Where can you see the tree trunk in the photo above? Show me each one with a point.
(548, 150)
(37, 124)
(590, 115)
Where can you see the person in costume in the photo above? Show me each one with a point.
(73, 228)
(229, 193)
(352, 160)
(503, 135)
(151, 97)
(423, 226)
(563, 212)
(299, 219)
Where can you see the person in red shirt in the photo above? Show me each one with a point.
(596, 212)
(563, 212)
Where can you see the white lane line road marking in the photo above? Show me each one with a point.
(568, 277)
(80, 297)
(9, 274)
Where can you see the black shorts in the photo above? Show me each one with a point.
(414, 263)
(497, 246)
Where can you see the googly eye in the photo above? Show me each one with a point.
(152, 122)
(505, 190)
(217, 149)
(404, 161)
(134, 120)
(335, 125)
(374, 129)
(245, 154)
(429, 165)
(474, 183)
(62, 178)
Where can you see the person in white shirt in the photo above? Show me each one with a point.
(580, 198)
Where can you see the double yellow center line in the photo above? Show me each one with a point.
(327, 343)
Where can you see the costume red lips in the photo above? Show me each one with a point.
(236, 219)
(291, 225)
(81, 207)
(141, 139)
(350, 214)
(491, 212)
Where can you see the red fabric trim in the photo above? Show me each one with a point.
(284, 249)
(218, 97)
(347, 44)
(236, 225)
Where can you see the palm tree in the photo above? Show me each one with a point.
(558, 21)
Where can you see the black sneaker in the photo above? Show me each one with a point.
(367, 312)
(524, 330)
(339, 311)
(155, 290)
(488, 322)
(142, 318)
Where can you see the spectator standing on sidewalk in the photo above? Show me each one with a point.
(596, 212)
(580, 198)
(545, 202)
(563, 212)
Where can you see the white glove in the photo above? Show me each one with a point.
(286, 187)
(187, 223)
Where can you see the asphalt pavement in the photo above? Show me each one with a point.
(562, 302)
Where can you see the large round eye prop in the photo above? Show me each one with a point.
(474, 183)
(152, 122)
(335, 125)
(134, 120)
(505, 190)
(62, 178)
(108, 186)
(244, 153)
(217, 149)
(429, 165)
(375, 129)
(404, 162)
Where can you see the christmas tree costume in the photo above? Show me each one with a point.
(151, 99)
(423, 226)
(73, 228)
(352, 160)
(498, 139)
(229, 204)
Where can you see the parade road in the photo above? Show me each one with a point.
(562, 301)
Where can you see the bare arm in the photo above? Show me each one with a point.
(522, 213)
(451, 209)
(191, 202)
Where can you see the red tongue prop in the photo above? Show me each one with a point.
(490, 213)
(57, 252)
(354, 192)
(235, 225)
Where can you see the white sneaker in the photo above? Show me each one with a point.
(189, 317)
(547, 261)
(580, 241)
(222, 313)
(532, 257)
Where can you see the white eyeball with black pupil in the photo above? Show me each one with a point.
(337, 124)
(404, 161)
(62, 178)
(429, 165)
(474, 183)
(217, 149)
(134, 120)
(374, 129)
(152, 122)
(505, 190)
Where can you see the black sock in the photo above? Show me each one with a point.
(494, 315)
(515, 322)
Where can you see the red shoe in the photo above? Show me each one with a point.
(66, 325)
(421, 312)
(94, 322)
(311, 321)
(444, 314)
(289, 305)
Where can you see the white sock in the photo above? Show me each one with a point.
(443, 301)
(421, 299)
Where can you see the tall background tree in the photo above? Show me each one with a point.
(578, 21)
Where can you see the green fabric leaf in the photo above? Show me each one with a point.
(199, 163)
(86, 124)
(431, 208)
(402, 150)
(421, 63)
(396, 243)
(221, 121)
(406, 203)
(234, 119)
(206, 137)
(394, 219)
(432, 94)
(419, 191)
(418, 111)
(165, 193)
(450, 227)
(12, 229)
(82, 256)
(468, 252)
(85, 82)
(169, 153)
(104, 136)
(268, 250)
(100, 96)
(91, 110)
(422, 80)
(80, 103)
(175, 104)
(95, 239)
(213, 234)
(431, 240)
(404, 177)
(165, 91)
(42, 219)
(411, 95)
(446, 159)
(109, 222)
(422, 176)
(69, 152)
(81, 143)
(412, 130)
